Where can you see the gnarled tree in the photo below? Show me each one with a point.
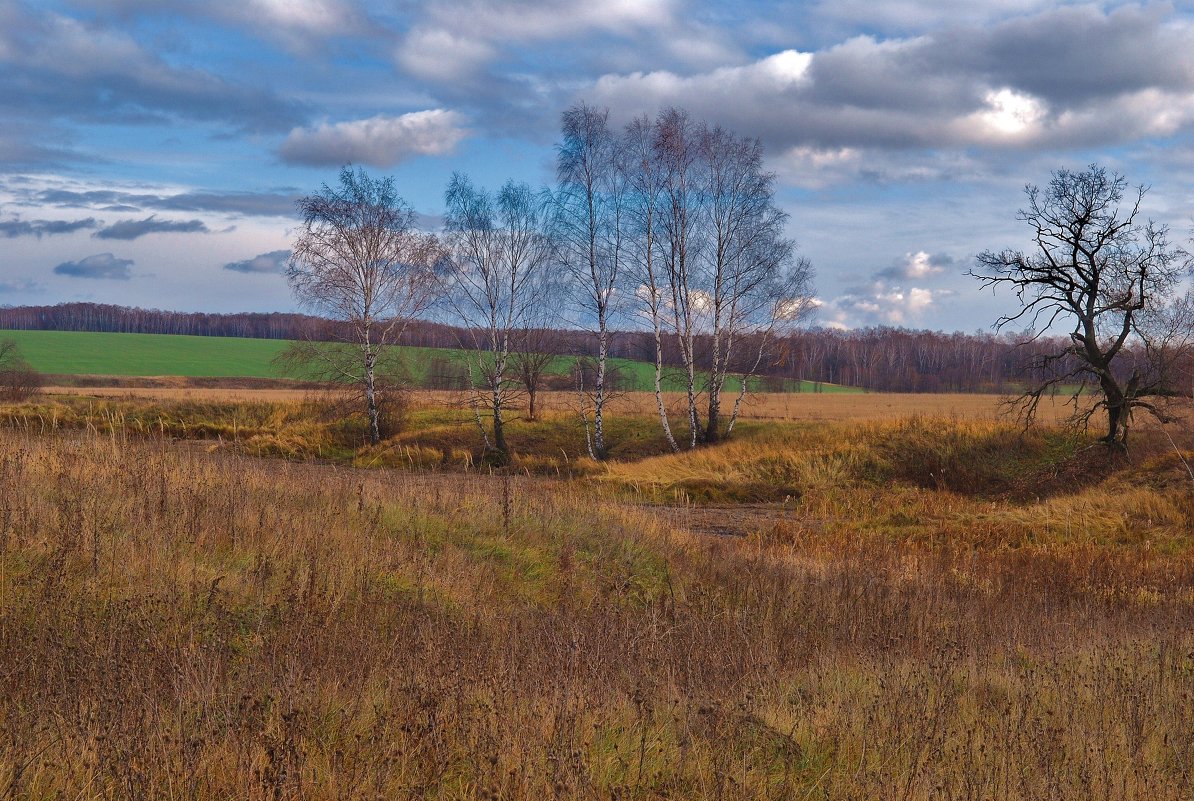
(1108, 275)
(359, 260)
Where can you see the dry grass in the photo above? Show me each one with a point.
(762, 406)
(176, 622)
(927, 607)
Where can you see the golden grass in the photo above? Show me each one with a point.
(176, 622)
(761, 406)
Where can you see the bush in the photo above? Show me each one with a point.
(18, 381)
(19, 384)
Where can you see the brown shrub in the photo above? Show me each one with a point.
(19, 383)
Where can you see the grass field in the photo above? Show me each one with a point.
(885, 607)
(74, 353)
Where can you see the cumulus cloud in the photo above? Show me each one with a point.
(272, 262)
(100, 266)
(11, 229)
(900, 294)
(135, 229)
(1061, 78)
(916, 267)
(380, 141)
(882, 304)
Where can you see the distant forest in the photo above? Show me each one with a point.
(882, 359)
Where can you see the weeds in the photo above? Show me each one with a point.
(175, 622)
(924, 608)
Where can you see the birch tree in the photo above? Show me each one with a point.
(590, 224)
(497, 280)
(676, 152)
(718, 277)
(644, 209)
(359, 260)
(751, 288)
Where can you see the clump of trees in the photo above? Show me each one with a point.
(670, 221)
(18, 381)
(675, 221)
(1112, 278)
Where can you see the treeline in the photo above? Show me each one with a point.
(882, 359)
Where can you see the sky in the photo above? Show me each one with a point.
(151, 150)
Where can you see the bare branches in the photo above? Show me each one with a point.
(591, 220)
(497, 282)
(359, 260)
(1108, 275)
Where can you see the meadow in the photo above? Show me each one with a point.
(101, 355)
(888, 605)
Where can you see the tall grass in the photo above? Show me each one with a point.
(176, 622)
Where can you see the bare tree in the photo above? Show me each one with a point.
(717, 276)
(676, 141)
(359, 259)
(590, 224)
(497, 281)
(751, 287)
(1107, 275)
(529, 363)
(644, 211)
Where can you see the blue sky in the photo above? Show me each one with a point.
(151, 149)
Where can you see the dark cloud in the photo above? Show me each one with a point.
(134, 229)
(101, 265)
(251, 204)
(57, 68)
(39, 228)
(299, 26)
(917, 266)
(23, 145)
(272, 262)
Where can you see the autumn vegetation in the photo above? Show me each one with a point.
(359, 590)
(910, 607)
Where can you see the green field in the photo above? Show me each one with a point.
(89, 353)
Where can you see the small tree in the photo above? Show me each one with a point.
(18, 381)
(496, 283)
(1109, 276)
(359, 260)
(529, 363)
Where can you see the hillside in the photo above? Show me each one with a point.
(73, 353)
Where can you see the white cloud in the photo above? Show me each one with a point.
(1008, 115)
(380, 141)
(882, 304)
(1019, 84)
(456, 38)
(442, 55)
